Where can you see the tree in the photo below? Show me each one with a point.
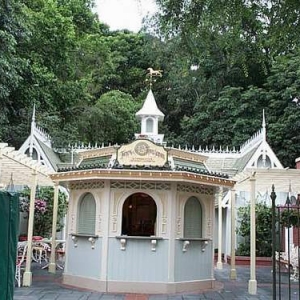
(111, 119)
(268, 28)
(13, 31)
(283, 85)
(120, 63)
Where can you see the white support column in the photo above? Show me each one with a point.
(252, 285)
(52, 264)
(106, 203)
(233, 216)
(27, 277)
(220, 227)
(172, 213)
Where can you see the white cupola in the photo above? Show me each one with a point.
(149, 115)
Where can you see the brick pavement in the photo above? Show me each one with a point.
(48, 286)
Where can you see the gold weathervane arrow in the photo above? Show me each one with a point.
(153, 73)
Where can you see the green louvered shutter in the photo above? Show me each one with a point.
(192, 218)
(87, 215)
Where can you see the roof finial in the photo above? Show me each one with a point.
(10, 187)
(33, 113)
(264, 126)
(153, 73)
(32, 131)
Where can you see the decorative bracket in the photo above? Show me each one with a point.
(75, 240)
(153, 243)
(123, 244)
(204, 244)
(90, 237)
(185, 246)
(92, 241)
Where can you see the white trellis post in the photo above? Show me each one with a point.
(52, 264)
(27, 277)
(252, 284)
(220, 225)
(233, 236)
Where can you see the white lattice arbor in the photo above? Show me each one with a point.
(18, 169)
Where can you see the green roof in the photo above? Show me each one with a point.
(50, 154)
(102, 160)
(189, 164)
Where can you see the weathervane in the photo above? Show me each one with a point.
(153, 73)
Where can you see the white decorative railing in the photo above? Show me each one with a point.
(83, 146)
(258, 136)
(43, 135)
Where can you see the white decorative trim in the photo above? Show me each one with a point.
(114, 223)
(72, 222)
(164, 225)
(178, 225)
(138, 185)
(209, 227)
(204, 190)
(87, 185)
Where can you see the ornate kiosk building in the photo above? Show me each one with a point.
(141, 215)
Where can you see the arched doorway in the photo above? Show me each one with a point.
(139, 215)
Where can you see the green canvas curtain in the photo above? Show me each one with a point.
(9, 230)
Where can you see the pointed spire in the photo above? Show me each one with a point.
(11, 187)
(264, 132)
(150, 115)
(33, 114)
(288, 198)
(32, 132)
(264, 136)
(150, 108)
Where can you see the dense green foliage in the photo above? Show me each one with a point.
(263, 222)
(43, 210)
(223, 62)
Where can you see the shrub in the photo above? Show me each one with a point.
(263, 214)
(290, 216)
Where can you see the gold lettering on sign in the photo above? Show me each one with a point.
(142, 152)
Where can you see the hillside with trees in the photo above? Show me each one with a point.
(223, 62)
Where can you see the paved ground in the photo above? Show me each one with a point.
(48, 286)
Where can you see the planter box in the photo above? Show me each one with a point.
(245, 261)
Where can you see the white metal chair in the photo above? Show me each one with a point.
(40, 252)
(21, 259)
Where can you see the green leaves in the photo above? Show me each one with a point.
(263, 226)
(111, 119)
(12, 31)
